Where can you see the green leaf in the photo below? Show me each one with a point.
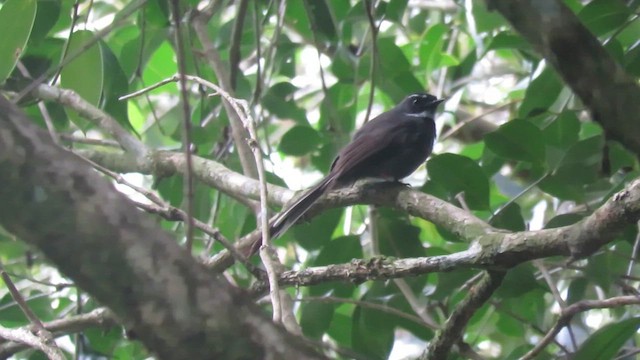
(518, 140)
(316, 233)
(115, 85)
(319, 14)
(279, 101)
(340, 250)
(509, 218)
(541, 94)
(508, 40)
(340, 329)
(16, 22)
(396, 236)
(577, 290)
(431, 47)
(486, 20)
(160, 66)
(46, 17)
(299, 140)
(563, 131)
(460, 174)
(315, 318)
(518, 281)
(398, 79)
(607, 341)
(579, 166)
(85, 73)
(602, 16)
(395, 10)
(373, 330)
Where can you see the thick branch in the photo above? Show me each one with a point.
(591, 72)
(180, 310)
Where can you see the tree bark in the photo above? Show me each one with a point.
(601, 83)
(52, 199)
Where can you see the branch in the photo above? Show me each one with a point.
(27, 338)
(441, 345)
(569, 312)
(100, 317)
(489, 246)
(493, 250)
(239, 133)
(592, 73)
(96, 116)
(55, 202)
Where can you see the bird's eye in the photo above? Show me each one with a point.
(415, 101)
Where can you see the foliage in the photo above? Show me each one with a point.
(529, 156)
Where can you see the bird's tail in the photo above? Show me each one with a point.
(289, 216)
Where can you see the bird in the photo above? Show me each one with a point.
(390, 146)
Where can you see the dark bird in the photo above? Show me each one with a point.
(390, 146)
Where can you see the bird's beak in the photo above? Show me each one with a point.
(437, 102)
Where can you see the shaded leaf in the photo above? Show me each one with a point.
(299, 140)
(518, 140)
(16, 22)
(459, 174)
(607, 341)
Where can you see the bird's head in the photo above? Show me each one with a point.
(420, 105)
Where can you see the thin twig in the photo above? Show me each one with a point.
(67, 42)
(236, 39)
(570, 311)
(461, 124)
(171, 213)
(268, 260)
(42, 107)
(186, 129)
(24, 336)
(556, 295)
(100, 317)
(41, 332)
(199, 22)
(370, 10)
(89, 141)
(634, 252)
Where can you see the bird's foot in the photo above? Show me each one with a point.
(398, 182)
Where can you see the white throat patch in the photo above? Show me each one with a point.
(426, 113)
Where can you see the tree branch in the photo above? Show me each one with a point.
(584, 64)
(100, 317)
(179, 309)
(440, 346)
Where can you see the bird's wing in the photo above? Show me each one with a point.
(366, 145)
